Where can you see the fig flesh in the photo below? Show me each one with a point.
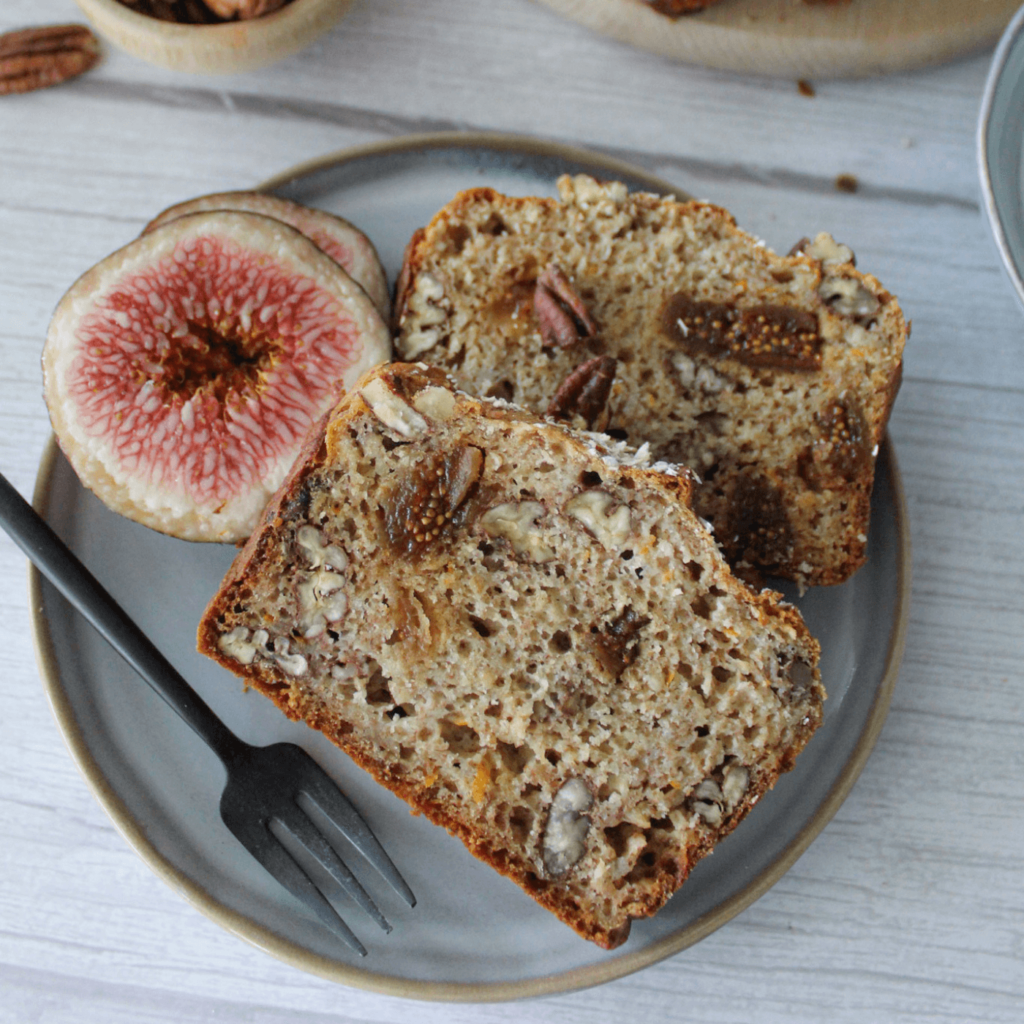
(183, 371)
(342, 241)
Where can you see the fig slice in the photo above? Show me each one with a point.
(342, 241)
(183, 371)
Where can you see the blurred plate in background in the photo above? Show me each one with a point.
(1000, 140)
(801, 39)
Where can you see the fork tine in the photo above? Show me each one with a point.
(267, 849)
(323, 792)
(306, 833)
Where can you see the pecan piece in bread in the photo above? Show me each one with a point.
(563, 317)
(585, 392)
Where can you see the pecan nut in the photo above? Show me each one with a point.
(516, 522)
(826, 250)
(35, 58)
(585, 391)
(849, 297)
(565, 835)
(564, 319)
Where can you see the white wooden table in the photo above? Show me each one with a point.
(910, 905)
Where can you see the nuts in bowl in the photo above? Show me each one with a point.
(212, 36)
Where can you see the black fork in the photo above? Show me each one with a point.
(264, 784)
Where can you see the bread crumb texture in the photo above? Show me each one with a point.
(524, 631)
(771, 376)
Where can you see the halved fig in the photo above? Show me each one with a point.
(183, 371)
(342, 241)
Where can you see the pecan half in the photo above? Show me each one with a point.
(825, 249)
(564, 319)
(34, 58)
(585, 391)
(565, 835)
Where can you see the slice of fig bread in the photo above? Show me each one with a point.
(525, 632)
(772, 377)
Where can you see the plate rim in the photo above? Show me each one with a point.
(572, 979)
(510, 142)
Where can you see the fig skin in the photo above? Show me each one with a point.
(179, 403)
(341, 240)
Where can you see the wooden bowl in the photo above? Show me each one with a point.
(214, 49)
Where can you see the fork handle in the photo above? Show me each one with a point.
(55, 560)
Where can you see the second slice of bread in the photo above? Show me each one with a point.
(772, 377)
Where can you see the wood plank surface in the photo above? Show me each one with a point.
(910, 905)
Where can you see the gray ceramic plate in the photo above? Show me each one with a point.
(473, 935)
(1000, 145)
